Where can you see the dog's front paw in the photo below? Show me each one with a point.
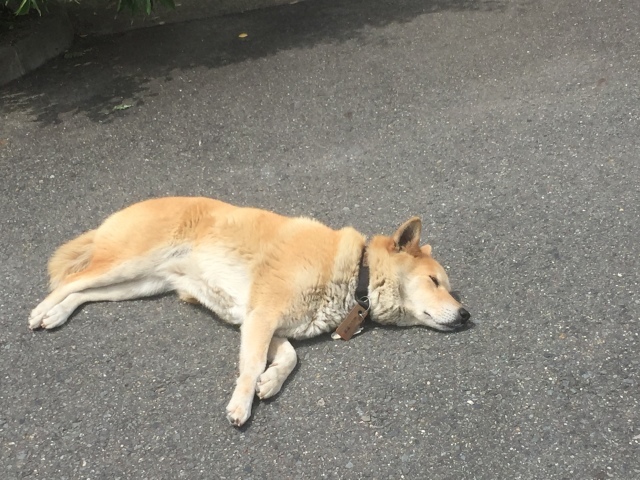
(269, 383)
(239, 411)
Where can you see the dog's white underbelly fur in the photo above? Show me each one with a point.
(216, 278)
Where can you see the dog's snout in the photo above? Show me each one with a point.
(464, 315)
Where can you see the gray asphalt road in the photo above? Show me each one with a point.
(510, 127)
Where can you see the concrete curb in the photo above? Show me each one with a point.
(53, 34)
(50, 35)
(97, 17)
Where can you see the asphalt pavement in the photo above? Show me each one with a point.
(511, 127)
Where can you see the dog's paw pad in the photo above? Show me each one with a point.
(269, 384)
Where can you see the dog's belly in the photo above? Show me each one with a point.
(225, 305)
(214, 278)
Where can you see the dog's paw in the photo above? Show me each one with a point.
(55, 317)
(36, 317)
(44, 316)
(269, 383)
(238, 412)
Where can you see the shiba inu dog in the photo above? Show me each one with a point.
(276, 277)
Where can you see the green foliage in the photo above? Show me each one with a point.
(23, 7)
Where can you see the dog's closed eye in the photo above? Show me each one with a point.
(435, 280)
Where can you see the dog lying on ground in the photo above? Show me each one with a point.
(276, 277)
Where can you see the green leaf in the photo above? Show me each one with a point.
(24, 7)
(148, 2)
(35, 5)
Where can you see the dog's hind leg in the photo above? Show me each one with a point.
(127, 279)
(282, 358)
(256, 334)
(143, 287)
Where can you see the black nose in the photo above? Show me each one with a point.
(464, 316)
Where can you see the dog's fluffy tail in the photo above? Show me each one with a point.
(72, 257)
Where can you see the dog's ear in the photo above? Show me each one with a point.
(407, 237)
(426, 250)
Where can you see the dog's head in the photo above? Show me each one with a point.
(409, 287)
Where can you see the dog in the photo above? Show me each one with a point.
(276, 277)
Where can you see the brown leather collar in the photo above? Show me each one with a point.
(352, 324)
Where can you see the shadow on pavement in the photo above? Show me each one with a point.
(103, 77)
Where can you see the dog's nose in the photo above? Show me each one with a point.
(464, 315)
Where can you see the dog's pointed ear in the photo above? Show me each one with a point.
(407, 237)
(426, 250)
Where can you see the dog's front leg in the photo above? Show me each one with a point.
(256, 333)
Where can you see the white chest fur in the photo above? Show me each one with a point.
(319, 311)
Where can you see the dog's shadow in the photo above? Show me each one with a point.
(470, 325)
(310, 342)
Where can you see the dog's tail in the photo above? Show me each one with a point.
(72, 257)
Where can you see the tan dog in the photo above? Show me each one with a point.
(275, 276)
